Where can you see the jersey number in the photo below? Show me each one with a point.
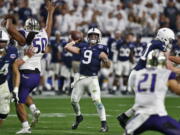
(4, 69)
(148, 80)
(87, 57)
(40, 44)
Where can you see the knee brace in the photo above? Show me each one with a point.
(3, 116)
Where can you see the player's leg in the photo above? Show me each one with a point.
(75, 98)
(126, 70)
(4, 102)
(94, 89)
(75, 68)
(124, 117)
(163, 124)
(34, 110)
(21, 112)
(117, 78)
(28, 83)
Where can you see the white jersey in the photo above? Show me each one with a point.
(150, 87)
(39, 42)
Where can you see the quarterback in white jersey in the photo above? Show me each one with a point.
(30, 71)
(150, 86)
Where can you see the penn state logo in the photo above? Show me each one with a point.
(12, 56)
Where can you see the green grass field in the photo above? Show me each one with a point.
(57, 116)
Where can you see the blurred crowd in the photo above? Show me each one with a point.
(136, 16)
(122, 22)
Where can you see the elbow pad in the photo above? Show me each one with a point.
(30, 37)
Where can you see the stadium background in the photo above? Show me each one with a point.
(141, 18)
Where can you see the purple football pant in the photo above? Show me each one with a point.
(27, 83)
(163, 124)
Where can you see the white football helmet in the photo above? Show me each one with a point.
(4, 38)
(94, 31)
(165, 35)
(32, 24)
(156, 58)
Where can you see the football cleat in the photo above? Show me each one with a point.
(104, 127)
(79, 119)
(24, 131)
(122, 118)
(35, 117)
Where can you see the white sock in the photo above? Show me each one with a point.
(129, 112)
(76, 108)
(101, 110)
(32, 107)
(25, 124)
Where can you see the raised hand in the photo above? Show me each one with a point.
(51, 6)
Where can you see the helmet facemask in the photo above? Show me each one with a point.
(94, 36)
(32, 25)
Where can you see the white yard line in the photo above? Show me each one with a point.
(60, 115)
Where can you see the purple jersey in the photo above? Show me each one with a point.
(90, 61)
(6, 61)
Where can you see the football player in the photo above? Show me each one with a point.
(30, 71)
(8, 55)
(162, 42)
(112, 44)
(150, 91)
(91, 56)
(124, 63)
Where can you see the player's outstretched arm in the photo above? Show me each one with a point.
(71, 48)
(16, 35)
(174, 59)
(106, 63)
(174, 86)
(50, 8)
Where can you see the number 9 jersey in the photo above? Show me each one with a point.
(39, 43)
(90, 61)
(150, 87)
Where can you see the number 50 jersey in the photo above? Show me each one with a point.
(39, 43)
(90, 61)
(150, 87)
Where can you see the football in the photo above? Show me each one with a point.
(76, 35)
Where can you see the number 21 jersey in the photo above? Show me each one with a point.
(150, 86)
